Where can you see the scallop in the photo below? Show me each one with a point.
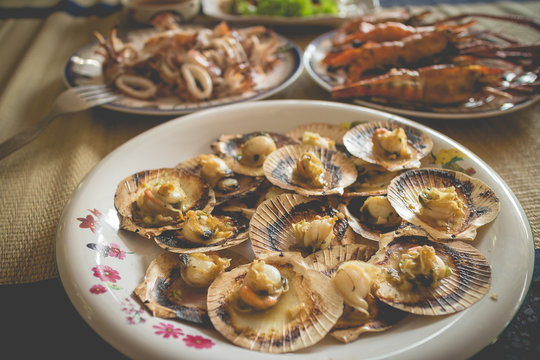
(152, 201)
(474, 204)
(236, 233)
(272, 227)
(352, 323)
(319, 134)
(467, 280)
(360, 142)
(372, 179)
(309, 170)
(368, 222)
(242, 185)
(245, 153)
(302, 316)
(167, 295)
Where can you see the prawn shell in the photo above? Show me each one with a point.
(229, 147)
(351, 209)
(372, 179)
(340, 171)
(469, 281)
(348, 328)
(270, 228)
(199, 195)
(166, 294)
(302, 316)
(333, 132)
(173, 241)
(358, 142)
(482, 204)
(246, 184)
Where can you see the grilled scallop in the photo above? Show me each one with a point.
(424, 277)
(390, 144)
(275, 304)
(371, 216)
(292, 222)
(154, 201)
(372, 179)
(246, 153)
(175, 286)
(375, 316)
(319, 134)
(310, 170)
(203, 232)
(226, 184)
(445, 203)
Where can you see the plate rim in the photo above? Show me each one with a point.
(76, 298)
(308, 56)
(292, 48)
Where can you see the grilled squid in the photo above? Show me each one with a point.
(419, 266)
(377, 210)
(310, 170)
(441, 205)
(316, 234)
(392, 144)
(203, 228)
(161, 203)
(199, 270)
(216, 173)
(354, 279)
(256, 149)
(262, 286)
(311, 138)
(136, 86)
(197, 80)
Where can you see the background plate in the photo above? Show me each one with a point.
(100, 265)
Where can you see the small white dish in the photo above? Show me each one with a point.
(317, 50)
(84, 68)
(100, 265)
(143, 11)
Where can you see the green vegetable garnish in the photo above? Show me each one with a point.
(287, 8)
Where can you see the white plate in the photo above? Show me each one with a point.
(117, 317)
(84, 67)
(348, 10)
(317, 50)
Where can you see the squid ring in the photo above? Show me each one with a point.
(136, 86)
(198, 81)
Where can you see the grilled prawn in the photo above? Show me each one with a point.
(431, 85)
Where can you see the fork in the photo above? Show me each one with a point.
(72, 100)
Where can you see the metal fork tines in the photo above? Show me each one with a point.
(72, 100)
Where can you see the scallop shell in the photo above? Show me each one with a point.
(166, 295)
(348, 328)
(270, 228)
(351, 209)
(333, 132)
(172, 240)
(372, 179)
(482, 203)
(280, 165)
(200, 196)
(469, 282)
(358, 142)
(302, 317)
(229, 147)
(246, 184)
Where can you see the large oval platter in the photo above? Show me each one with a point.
(84, 68)
(100, 265)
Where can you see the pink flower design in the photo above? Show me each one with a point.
(115, 251)
(106, 273)
(198, 342)
(88, 223)
(98, 289)
(96, 212)
(168, 330)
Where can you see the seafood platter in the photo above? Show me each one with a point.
(335, 233)
(173, 70)
(444, 68)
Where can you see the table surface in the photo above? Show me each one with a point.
(39, 179)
